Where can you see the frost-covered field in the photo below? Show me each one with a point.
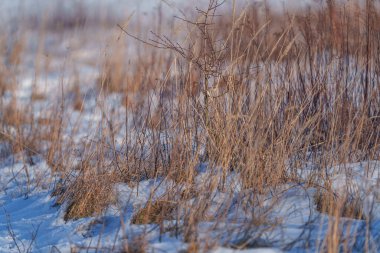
(244, 130)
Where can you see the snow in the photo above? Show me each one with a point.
(29, 218)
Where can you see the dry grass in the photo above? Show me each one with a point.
(263, 92)
(136, 244)
(249, 94)
(87, 196)
(339, 206)
(155, 212)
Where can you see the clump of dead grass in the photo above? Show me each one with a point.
(155, 212)
(348, 205)
(135, 244)
(88, 196)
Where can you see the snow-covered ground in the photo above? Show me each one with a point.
(30, 221)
